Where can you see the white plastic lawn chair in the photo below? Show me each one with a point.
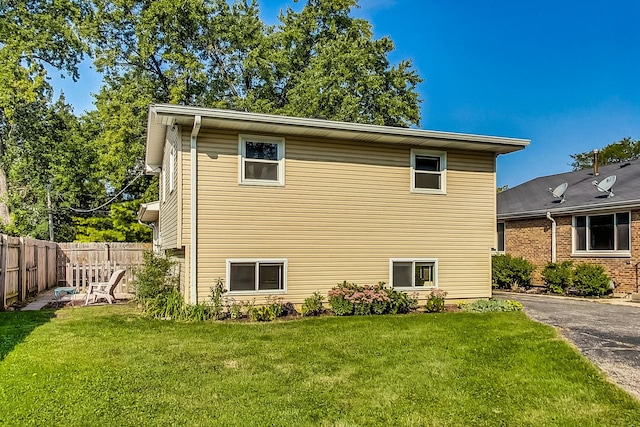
(104, 289)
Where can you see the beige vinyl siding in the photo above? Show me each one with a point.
(185, 185)
(169, 207)
(346, 209)
(178, 257)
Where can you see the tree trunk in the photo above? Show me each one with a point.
(5, 218)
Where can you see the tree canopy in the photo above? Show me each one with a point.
(621, 151)
(318, 61)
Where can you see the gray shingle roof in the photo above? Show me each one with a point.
(533, 198)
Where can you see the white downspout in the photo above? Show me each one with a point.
(553, 237)
(193, 253)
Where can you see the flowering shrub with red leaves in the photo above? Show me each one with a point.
(350, 299)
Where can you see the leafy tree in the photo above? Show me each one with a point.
(621, 151)
(327, 65)
(120, 225)
(319, 62)
(34, 35)
(45, 149)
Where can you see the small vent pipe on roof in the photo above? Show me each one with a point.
(595, 162)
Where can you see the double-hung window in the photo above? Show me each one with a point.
(428, 171)
(261, 160)
(251, 276)
(413, 273)
(607, 233)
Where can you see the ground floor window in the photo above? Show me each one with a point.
(250, 275)
(413, 273)
(604, 233)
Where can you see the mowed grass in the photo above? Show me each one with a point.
(107, 366)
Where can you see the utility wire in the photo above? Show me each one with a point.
(110, 200)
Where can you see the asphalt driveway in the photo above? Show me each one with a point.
(609, 335)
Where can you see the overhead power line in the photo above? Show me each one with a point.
(110, 200)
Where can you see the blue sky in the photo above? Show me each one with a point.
(564, 74)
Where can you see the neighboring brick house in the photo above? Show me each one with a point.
(588, 225)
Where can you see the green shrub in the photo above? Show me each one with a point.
(166, 305)
(154, 277)
(262, 313)
(435, 301)
(591, 280)
(235, 310)
(348, 298)
(313, 305)
(401, 302)
(198, 312)
(217, 299)
(558, 276)
(490, 305)
(268, 312)
(509, 272)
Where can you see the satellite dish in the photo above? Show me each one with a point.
(606, 185)
(559, 191)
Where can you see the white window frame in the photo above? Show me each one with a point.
(443, 171)
(172, 165)
(626, 253)
(163, 184)
(242, 139)
(433, 261)
(257, 262)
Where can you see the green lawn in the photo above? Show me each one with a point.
(106, 366)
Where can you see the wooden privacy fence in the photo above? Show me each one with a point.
(80, 264)
(28, 266)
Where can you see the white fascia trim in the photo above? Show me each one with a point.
(502, 144)
(574, 210)
(434, 261)
(193, 254)
(285, 270)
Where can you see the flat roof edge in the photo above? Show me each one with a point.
(507, 144)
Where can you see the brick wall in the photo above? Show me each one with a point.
(531, 239)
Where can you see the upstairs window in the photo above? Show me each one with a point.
(602, 233)
(261, 160)
(428, 171)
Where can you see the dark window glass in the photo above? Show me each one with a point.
(622, 231)
(428, 163)
(261, 170)
(581, 233)
(501, 236)
(427, 180)
(261, 150)
(242, 277)
(402, 274)
(424, 274)
(601, 230)
(270, 277)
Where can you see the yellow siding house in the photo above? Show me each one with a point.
(286, 206)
